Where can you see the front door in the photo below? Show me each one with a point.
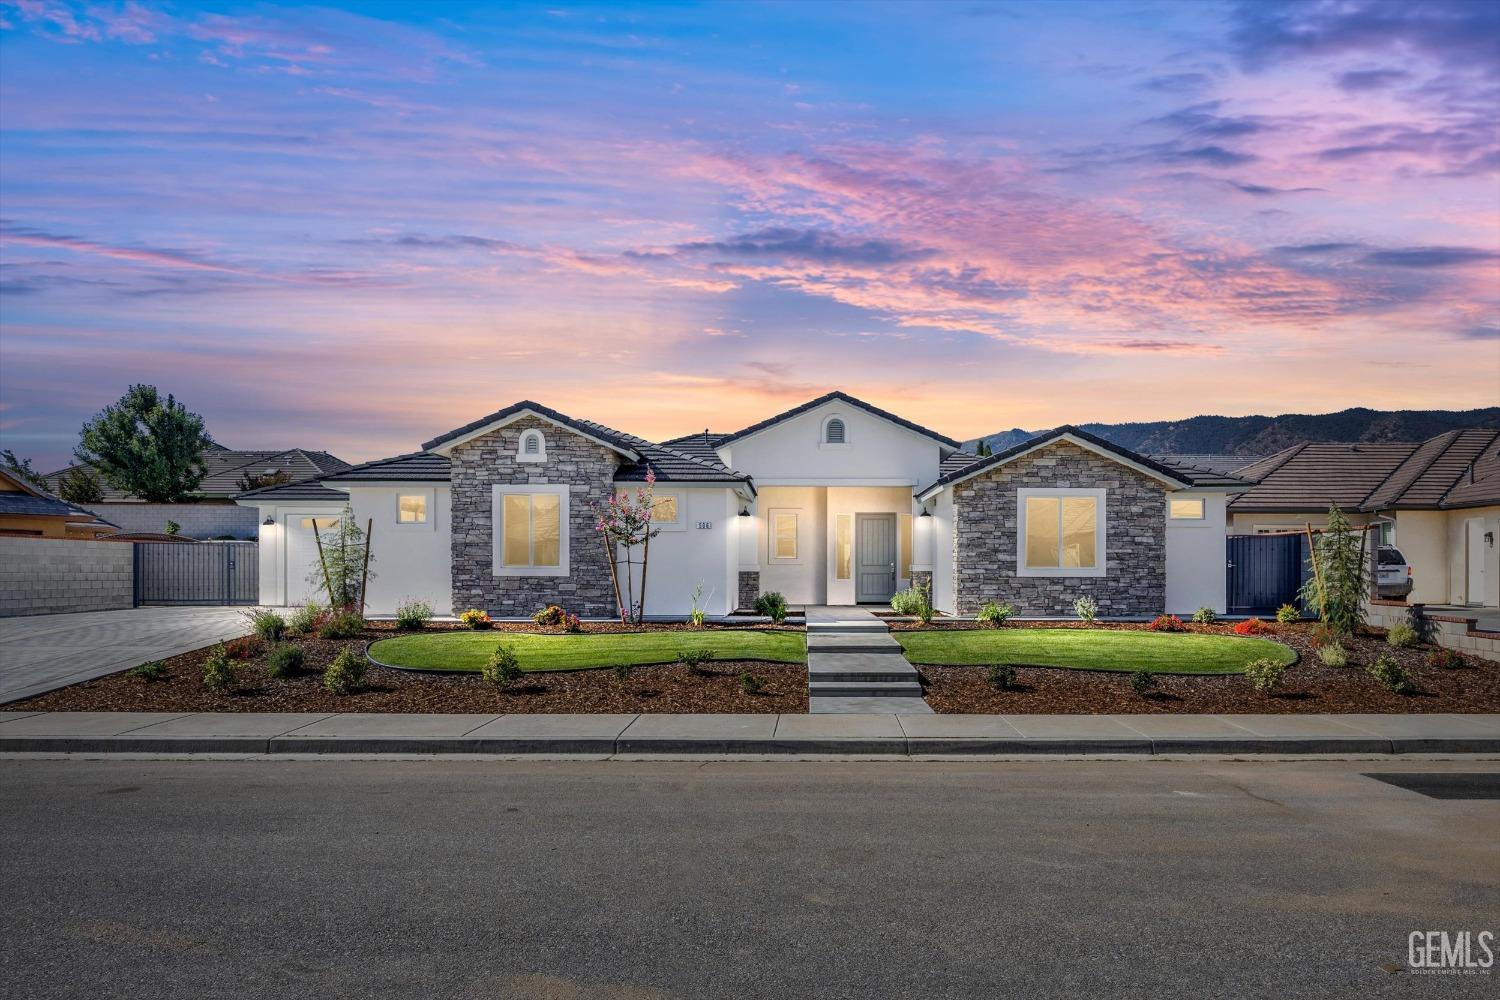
(875, 557)
(1474, 590)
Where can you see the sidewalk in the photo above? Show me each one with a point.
(900, 735)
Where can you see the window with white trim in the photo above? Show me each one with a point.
(532, 447)
(1186, 508)
(531, 530)
(843, 546)
(782, 529)
(411, 508)
(666, 508)
(1060, 532)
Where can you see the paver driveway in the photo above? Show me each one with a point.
(39, 653)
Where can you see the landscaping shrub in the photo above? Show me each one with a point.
(749, 683)
(623, 671)
(773, 605)
(267, 624)
(1205, 616)
(411, 616)
(502, 667)
(242, 648)
(906, 602)
(1001, 676)
(1167, 623)
(307, 619)
(344, 625)
(1288, 614)
(151, 670)
(694, 659)
(1446, 659)
(1142, 681)
(697, 615)
(1252, 626)
(1265, 674)
(172, 528)
(475, 619)
(1339, 584)
(284, 660)
(345, 673)
(1400, 636)
(1391, 675)
(570, 622)
(551, 615)
(1333, 655)
(994, 615)
(218, 671)
(1086, 608)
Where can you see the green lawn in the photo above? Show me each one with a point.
(1093, 649)
(469, 650)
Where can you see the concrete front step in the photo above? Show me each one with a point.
(874, 706)
(828, 672)
(850, 626)
(838, 642)
(865, 689)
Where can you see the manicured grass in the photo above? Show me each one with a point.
(467, 651)
(1093, 649)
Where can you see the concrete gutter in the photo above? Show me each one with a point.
(885, 735)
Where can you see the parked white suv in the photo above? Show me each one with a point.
(1395, 572)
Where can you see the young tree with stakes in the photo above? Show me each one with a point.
(624, 522)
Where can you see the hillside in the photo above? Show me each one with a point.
(1258, 435)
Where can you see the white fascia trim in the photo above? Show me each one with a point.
(446, 448)
(834, 404)
(1170, 482)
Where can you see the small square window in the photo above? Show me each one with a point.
(1187, 509)
(412, 509)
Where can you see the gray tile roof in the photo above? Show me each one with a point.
(609, 435)
(225, 467)
(12, 502)
(852, 401)
(415, 466)
(306, 490)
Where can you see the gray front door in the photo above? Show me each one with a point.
(875, 557)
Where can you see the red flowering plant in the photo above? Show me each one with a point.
(1252, 626)
(624, 523)
(1167, 623)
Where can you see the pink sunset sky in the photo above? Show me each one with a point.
(355, 227)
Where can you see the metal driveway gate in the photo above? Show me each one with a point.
(1265, 572)
(202, 573)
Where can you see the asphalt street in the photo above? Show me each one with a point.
(584, 880)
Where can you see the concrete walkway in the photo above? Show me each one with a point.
(855, 666)
(609, 735)
(41, 653)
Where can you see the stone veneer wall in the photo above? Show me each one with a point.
(586, 467)
(984, 537)
(749, 587)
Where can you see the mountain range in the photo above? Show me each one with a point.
(1260, 435)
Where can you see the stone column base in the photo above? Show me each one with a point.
(749, 589)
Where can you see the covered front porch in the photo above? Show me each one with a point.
(831, 545)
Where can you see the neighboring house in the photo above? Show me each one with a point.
(212, 512)
(832, 502)
(29, 510)
(1438, 501)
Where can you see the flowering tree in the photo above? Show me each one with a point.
(624, 522)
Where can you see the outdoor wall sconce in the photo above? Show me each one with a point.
(269, 522)
(745, 511)
(925, 513)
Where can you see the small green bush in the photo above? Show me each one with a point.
(345, 673)
(1288, 614)
(173, 527)
(907, 602)
(344, 625)
(151, 670)
(694, 659)
(1333, 654)
(218, 669)
(623, 671)
(749, 683)
(502, 667)
(306, 619)
(268, 625)
(1446, 659)
(1400, 636)
(284, 660)
(1205, 616)
(1265, 674)
(1142, 681)
(552, 614)
(475, 619)
(412, 616)
(994, 615)
(1086, 608)
(773, 605)
(1001, 676)
(1391, 675)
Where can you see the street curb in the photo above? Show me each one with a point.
(733, 746)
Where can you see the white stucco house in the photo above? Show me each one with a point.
(835, 501)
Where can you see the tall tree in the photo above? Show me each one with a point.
(147, 446)
(79, 485)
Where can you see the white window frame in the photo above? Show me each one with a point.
(497, 528)
(771, 514)
(531, 433)
(1101, 523)
(678, 525)
(1202, 514)
(431, 500)
(823, 441)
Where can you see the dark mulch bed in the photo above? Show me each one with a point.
(1307, 687)
(661, 688)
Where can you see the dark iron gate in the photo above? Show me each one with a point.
(1265, 572)
(202, 573)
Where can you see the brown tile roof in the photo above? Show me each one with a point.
(1433, 469)
(1311, 476)
(1480, 486)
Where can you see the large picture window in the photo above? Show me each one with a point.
(531, 537)
(1062, 533)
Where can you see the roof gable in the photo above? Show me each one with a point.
(843, 397)
(615, 440)
(1172, 477)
